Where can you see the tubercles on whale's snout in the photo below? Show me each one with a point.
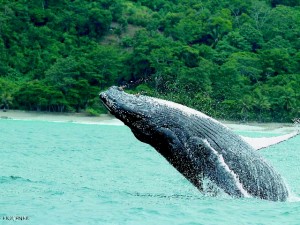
(103, 97)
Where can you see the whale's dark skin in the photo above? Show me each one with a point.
(197, 145)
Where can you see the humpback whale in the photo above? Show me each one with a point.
(198, 146)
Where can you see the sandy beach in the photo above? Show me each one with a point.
(262, 127)
(106, 119)
(60, 117)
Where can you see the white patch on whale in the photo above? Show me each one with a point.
(222, 162)
(263, 142)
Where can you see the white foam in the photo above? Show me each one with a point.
(226, 167)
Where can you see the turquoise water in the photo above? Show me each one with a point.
(66, 173)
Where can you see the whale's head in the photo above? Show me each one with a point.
(128, 108)
(131, 109)
(163, 124)
(145, 116)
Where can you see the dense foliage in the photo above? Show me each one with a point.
(231, 59)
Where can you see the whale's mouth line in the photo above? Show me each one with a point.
(106, 106)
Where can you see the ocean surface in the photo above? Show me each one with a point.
(67, 173)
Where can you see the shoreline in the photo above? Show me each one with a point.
(106, 119)
(59, 117)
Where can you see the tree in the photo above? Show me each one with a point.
(252, 35)
(248, 64)
(233, 59)
(7, 90)
(48, 97)
(235, 39)
(104, 66)
(196, 80)
(219, 25)
(292, 3)
(261, 103)
(166, 65)
(283, 21)
(275, 61)
(191, 28)
(260, 13)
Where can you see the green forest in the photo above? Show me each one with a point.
(231, 59)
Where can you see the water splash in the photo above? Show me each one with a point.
(293, 198)
(296, 122)
(212, 190)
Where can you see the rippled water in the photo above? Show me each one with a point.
(66, 173)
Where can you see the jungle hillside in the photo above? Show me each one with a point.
(231, 59)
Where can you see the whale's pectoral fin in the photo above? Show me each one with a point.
(176, 152)
(264, 142)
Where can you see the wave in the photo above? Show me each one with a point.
(5, 179)
(12, 178)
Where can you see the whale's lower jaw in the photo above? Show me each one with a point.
(198, 146)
